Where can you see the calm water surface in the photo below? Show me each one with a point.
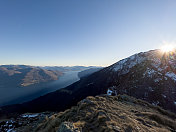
(23, 94)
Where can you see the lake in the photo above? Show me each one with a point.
(23, 94)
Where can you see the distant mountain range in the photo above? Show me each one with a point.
(68, 68)
(22, 75)
(150, 76)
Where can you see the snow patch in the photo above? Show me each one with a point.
(171, 75)
(157, 79)
(90, 84)
(29, 115)
(109, 92)
(149, 72)
(10, 130)
(126, 64)
(155, 103)
(151, 89)
(159, 69)
(119, 65)
(164, 95)
(175, 103)
(112, 91)
(156, 62)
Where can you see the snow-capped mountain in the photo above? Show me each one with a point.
(150, 76)
(158, 60)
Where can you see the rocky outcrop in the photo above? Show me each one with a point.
(67, 127)
(111, 113)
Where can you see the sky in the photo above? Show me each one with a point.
(82, 32)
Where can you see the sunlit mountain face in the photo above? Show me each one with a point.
(159, 60)
(148, 75)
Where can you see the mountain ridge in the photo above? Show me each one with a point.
(111, 113)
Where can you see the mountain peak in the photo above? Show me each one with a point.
(158, 59)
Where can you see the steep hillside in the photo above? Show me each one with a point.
(150, 76)
(105, 114)
(21, 75)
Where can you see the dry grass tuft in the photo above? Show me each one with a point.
(113, 114)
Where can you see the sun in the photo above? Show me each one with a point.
(167, 48)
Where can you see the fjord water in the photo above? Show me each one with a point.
(16, 95)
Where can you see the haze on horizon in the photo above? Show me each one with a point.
(89, 32)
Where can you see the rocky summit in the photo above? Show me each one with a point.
(110, 114)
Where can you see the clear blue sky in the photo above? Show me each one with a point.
(82, 32)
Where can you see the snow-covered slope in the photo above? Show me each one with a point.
(148, 75)
(159, 61)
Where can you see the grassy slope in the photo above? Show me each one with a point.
(113, 113)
